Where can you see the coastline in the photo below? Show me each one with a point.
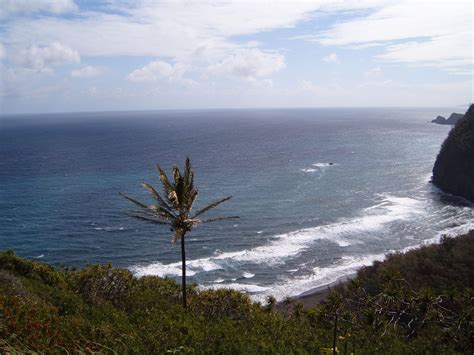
(318, 294)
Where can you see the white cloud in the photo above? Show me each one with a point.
(42, 58)
(379, 83)
(435, 30)
(190, 32)
(407, 19)
(453, 49)
(248, 64)
(14, 7)
(86, 72)
(213, 41)
(2, 51)
(161, 70)
(331, 58)
(162, 29)
(376, 71)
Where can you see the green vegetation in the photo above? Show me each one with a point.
(175, 209)
(454, 167)
(418, 302)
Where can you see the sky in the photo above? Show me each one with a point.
(85, 55)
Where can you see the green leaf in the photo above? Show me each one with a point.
(136, 202)
(147, 219)
(211, 206)
(219, 219)
(157, 196)
(167, 186)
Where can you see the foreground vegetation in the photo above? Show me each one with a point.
(418, 302)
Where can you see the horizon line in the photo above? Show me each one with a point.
(222, 109)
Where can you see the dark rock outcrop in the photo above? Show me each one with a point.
(454, 167)
(452, 119)
(439, 120)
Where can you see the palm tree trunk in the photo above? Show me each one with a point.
(183, 270)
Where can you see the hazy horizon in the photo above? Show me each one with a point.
(6, 115)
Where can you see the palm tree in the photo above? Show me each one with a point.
(175, 209)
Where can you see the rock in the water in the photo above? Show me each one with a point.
(454, 167)
(439, 120)
(452, 119)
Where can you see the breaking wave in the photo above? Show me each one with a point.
(282, 247)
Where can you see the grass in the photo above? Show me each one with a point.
(418, 302)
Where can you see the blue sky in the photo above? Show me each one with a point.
(66, 55)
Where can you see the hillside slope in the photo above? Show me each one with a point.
(418, 302)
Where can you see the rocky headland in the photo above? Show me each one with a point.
(451, 120)
(453, 171)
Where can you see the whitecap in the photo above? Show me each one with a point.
(159, 269)
(284, 246)
(324, 165)
(109, 229)
(320, 277)
(247, 288)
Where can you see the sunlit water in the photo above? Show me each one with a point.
(320, 192)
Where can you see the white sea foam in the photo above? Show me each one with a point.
(282, 247)
(321, 276)
(247, 288)
(160, 269)
(174, 269)
(318, 167)
(324, 165)
(108, 229)
(248, 275)
(348, 265)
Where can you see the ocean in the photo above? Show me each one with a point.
(320, 192)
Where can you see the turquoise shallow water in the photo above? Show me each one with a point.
(320, 192)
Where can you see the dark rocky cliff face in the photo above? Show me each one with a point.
(454, 167)
(452, 120)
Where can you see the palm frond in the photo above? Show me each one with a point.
(179, 187)
(176, 175)
(177, 235)
(153, 215)
(147, 219)
(187, 174)
(157, 196)
(136, 202)
(167, 186)
(169, 189)
(191, 198)
(211, 206)
(160, 211)
(218, 219)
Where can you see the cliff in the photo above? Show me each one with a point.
(452, 119)
(454, 167)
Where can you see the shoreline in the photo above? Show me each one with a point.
(315, 296)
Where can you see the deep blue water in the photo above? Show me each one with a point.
(303, 222)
